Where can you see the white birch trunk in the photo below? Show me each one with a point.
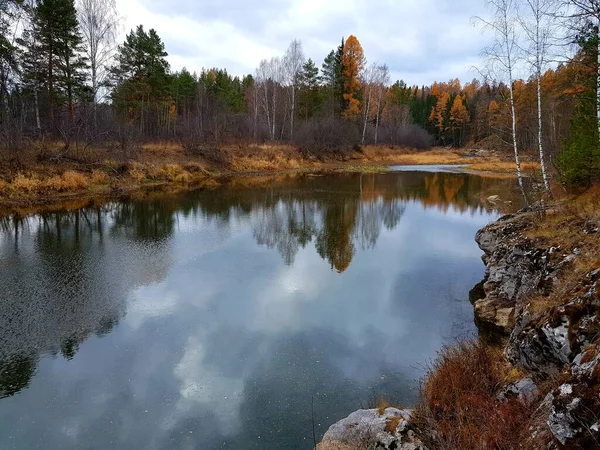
(540, 135)
(368, 106)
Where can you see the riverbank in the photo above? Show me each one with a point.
(540, 386)
(32, 181)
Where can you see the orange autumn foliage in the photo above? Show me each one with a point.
(353, 61)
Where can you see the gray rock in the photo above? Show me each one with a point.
(367, 429)
(515, 268)
(525, 389)
(562, 423)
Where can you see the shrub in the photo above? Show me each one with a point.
(99, 177)
(459, 406)
(137, 172)
(68, 181)
(25, 184)
(171, 172)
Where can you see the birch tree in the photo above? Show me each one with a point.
(369, 76)
(382, 80)
(503, 55)
(270, 73)
(293, 61)
(539, 31)
(98, 20)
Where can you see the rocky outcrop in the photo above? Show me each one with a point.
(515, 268)
(367, 429)
(556, 342)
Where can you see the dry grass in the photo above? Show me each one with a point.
(263, 163)
(382, 405)
(391, 425)
(433, 157)
(99, 177)
(571, 226)
(23, 183)
(459, 407)
(67, 182)
(497, 165)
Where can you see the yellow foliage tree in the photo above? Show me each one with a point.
(459, 117)
(353, 62)
(459, 114)
(438, 112)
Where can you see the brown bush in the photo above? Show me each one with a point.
(99, 177)
(459, 406)
(68, 181)
(25, 184)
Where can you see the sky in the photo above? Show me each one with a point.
(421, 41)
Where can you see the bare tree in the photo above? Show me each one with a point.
(382, 79)
(368, 80)
(98, 20)
(539, 27)
(292, 66)
(503, 55)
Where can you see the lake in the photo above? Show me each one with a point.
(227, 319)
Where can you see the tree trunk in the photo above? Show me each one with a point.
(514, 132)
(377, 120)
(540, 135)
(368, 105)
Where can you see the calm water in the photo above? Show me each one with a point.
(212, 320)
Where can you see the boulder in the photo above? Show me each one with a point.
(367, 429)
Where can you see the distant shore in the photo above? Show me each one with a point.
(29, 183)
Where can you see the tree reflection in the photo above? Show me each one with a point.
(66, 276)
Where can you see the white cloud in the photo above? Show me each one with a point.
(421, 40)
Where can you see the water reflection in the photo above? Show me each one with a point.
(162, 322)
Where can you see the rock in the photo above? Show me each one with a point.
(515, 268)
(525, 389)
(366, 429)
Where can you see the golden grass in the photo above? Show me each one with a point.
(99, 177)
(68, 181)
(162, 148)
(496, 165)
(25, 184)
(459, 405)
(391, 425)
(568, 226)
(263, 164)
(382, 405)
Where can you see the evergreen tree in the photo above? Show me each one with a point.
(57, 42)
(333, 79)
(309, 97)
(579, 159)
(141, 76)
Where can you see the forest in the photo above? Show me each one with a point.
(65, 79)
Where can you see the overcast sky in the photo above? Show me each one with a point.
(420, 40)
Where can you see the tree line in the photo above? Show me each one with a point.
(63, 77)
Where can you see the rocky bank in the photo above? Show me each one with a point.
(556, 344)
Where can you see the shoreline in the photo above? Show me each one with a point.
(39, 187)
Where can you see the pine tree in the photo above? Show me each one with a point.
(333, 78)
(309, 97)
(140, 76)
(59, 45)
